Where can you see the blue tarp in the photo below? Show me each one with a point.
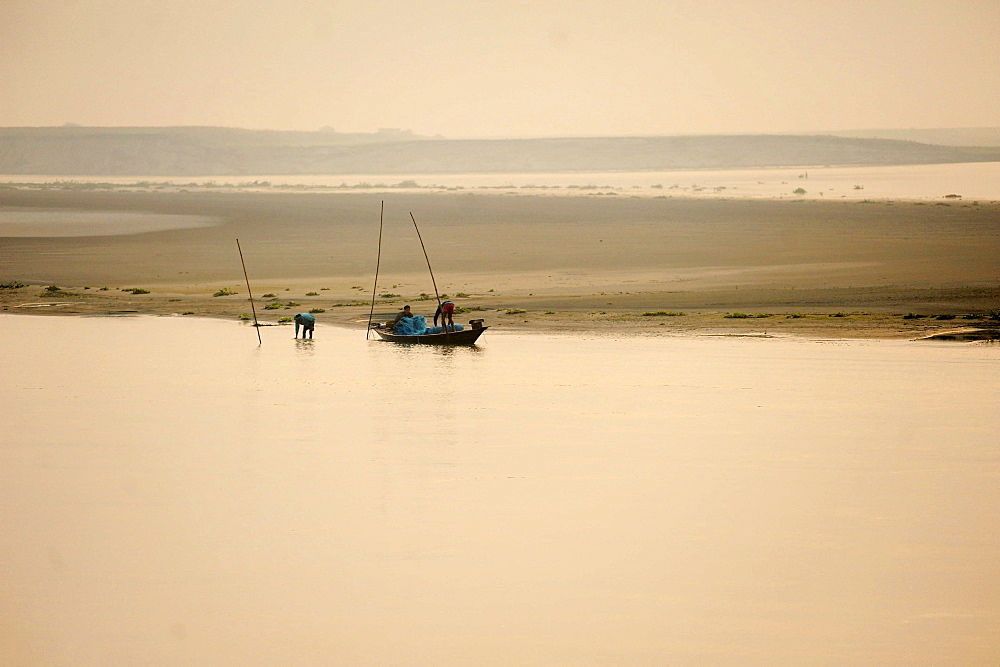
(410, 326)
(417, 326)
(434, 330)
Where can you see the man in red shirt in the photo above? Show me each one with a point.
(447, 313)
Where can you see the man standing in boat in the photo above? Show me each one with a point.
(446, 311)
(307, 322)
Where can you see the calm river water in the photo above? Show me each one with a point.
(171, 492)
(968, 181)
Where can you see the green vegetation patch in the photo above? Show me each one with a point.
(56, 292)
(737, 316)
(225, 291)
(14, 284)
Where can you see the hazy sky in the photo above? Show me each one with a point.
(470, 68)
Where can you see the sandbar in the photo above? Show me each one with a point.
(897, 269)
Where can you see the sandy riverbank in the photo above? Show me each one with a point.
(845, 269)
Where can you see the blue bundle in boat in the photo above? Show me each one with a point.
(417, 326)
(411, 326)
(437, 330)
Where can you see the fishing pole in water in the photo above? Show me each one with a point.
(252, 309)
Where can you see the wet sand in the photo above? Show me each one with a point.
(574, 263)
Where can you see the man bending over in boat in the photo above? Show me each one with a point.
(307, 322)
(446, 312)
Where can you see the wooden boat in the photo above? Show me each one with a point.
(463, 337)
(385, 329)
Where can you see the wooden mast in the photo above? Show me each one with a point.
(433, 282)
(378, 261)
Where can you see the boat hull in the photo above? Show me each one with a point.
(463, 337)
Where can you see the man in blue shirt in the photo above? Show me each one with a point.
(307, 322)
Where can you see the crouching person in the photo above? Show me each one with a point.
(307, 322)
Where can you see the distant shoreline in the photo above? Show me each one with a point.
(970, 181)
(207, 151)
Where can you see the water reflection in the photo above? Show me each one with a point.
(440, 350)
(536, 499)
(304, 347)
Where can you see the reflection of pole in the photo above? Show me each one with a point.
(429, 269)
(378, 260)
(254, 310)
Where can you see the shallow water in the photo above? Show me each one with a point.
(173, 492)
(21, 222)
(969, 181)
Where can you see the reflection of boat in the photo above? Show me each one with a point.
(463, 337)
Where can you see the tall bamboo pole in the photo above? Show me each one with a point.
(378, 261)
(252, 309)
(429, 269)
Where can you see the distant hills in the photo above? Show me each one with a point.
(950, 136)
(214, 151)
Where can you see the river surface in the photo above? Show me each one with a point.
(962, 182)
(171, 492)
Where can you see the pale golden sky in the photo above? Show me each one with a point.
(468, 68)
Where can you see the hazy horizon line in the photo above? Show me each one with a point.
(406, 132)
